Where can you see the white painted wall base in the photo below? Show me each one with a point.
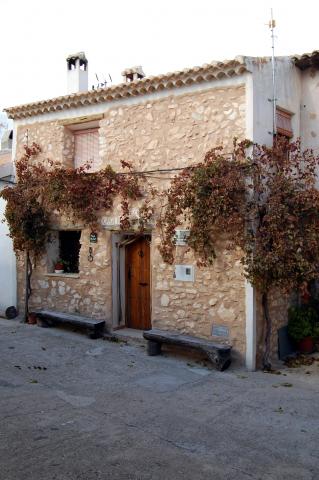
(250, 327)
(8, 277)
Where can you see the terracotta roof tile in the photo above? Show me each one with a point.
(143, 86)
(307, 60)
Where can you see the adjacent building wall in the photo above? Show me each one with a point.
(288, 95)
(309, 112)
(8, 279)
(290, 89)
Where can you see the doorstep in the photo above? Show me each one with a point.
(129, 335)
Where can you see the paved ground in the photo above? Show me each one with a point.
(75, 408)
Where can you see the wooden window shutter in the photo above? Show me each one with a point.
(86, 149)
(283, 122)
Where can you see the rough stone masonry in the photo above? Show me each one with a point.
(168, 132)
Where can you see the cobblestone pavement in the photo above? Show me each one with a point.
(72, 408)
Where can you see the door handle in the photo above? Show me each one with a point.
(143, 284)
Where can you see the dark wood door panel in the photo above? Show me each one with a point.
(138, 312)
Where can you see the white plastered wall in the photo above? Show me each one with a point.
(309, 109)
(288, 95)
(250, 300)
(8, 279)
(259, 128)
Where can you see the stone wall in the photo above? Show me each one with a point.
(216, 297)
(88, 292)
(172, 132)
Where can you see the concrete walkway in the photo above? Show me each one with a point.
(72, 408)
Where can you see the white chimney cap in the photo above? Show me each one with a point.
(77, 73)
(134, 73)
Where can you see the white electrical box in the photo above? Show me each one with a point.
(184, 273)
(181, 237)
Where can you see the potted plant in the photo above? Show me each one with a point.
(32, 318)
(303, 327)
(59, 266)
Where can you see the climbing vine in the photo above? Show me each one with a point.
(266, 202)
(209, 198)
(45, 189)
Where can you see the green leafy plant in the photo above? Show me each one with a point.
(302, 322)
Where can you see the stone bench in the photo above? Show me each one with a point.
(48, 318)
(218, 354)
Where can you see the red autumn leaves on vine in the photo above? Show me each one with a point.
(45, 189)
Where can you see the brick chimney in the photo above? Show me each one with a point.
(131, 74)
(77, 73)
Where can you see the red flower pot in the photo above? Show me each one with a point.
(306, 345)
(32, 319)
(59, 268)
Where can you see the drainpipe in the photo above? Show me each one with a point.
(251, 331)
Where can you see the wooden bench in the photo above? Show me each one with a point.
(48, 318)
(218, 354)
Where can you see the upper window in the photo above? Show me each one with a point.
(283, 123)
(86, 148)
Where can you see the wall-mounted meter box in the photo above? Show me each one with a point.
(181, 237)
(184, 273)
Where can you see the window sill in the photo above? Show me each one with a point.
(64, 275)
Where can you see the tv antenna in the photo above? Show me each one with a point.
(101, 84)
(272, 26)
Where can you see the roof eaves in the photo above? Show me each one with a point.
(307, 60)
(144, 86)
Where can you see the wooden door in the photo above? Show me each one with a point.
(137, 284)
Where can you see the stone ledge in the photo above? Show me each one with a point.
(63, 275)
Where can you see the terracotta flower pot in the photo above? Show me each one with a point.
(306, 345)
(58, 268)
(32, 319)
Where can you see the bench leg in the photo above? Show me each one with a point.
(41, 322)
(220, 361)
(95, 333)
(153, 348)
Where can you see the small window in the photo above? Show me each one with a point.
(283, 123)
(86, 149)
(69, 249)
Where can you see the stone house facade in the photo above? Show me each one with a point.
(163, 122)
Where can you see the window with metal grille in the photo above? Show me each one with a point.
(86, 149)
(283, 122)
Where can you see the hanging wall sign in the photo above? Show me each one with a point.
(93, 237)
